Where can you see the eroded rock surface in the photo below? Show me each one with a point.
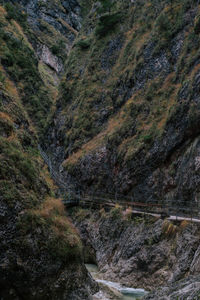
(140, 253)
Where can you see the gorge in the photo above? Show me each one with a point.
(98, 96)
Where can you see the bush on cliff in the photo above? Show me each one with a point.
(13, 12)
(107, 23)
(84, 44)
(116, 212)
(106, 6)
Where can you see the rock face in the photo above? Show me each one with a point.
(140, 89)
(142, 253)
(49, 59)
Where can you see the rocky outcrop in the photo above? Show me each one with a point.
(46, 56)
(142, 253)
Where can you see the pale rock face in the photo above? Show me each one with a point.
(195, 265)
(49, 59)
(197, 163)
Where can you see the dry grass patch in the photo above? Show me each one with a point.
(63, 242)
(184, 224)
(51, 207)
(6, 117)
(169, 230)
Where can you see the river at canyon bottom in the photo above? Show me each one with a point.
(113, 290)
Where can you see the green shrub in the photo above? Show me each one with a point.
(55, 49)
(168, 26)
(116, 212)
(12, 194)
(58, 48)
(197, 25)
(61, 239)
(21, 65)
(147, 138)
(107, 24)
(2, 77)
(84, 44)
(42, 4)
(138, 220)
(6, 127)
(16, 164)
(13, 12)
(163, 23)
(7, 60)
(106, 6)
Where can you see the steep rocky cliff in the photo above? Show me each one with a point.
(40, 250)
(127, 118)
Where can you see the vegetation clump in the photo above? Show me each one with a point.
(84, 44)
(14, 13)
(116, 212)
(107, 24)
(106, 6)
(21, 65)
(169, 230)
(63, 241)
(59, 48)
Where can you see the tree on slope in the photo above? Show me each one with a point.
(106, 6)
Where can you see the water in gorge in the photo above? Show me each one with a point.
(122, 292)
